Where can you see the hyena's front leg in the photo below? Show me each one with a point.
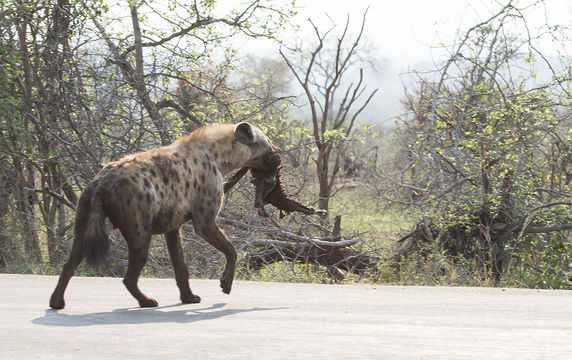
(211, 233)
(138, 247)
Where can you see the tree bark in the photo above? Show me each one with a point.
(24, 171)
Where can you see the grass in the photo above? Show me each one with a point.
(362, 212)
(288, 272)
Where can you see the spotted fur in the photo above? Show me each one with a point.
(156, 192)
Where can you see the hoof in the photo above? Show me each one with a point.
(57, 304)
(193, 299)
(148, 303)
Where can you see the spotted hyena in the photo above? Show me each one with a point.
(156, 192)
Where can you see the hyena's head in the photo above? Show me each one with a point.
(258, 144)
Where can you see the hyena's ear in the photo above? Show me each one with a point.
(244, 133)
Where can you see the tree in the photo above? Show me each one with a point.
(200, 28)
(76, 92)
(36, 37)
(321, 74)
(487, 151)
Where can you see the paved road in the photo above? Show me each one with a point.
(281, 321)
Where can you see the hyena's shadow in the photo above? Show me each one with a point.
(142, 315)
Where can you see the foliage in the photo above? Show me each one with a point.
(478, 166)
(487, 156)
(80, 86)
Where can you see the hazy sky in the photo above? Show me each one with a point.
(406, 33)
(404, 29)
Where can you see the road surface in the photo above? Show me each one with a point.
(281, 321)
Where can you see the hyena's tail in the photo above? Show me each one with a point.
(90, 234)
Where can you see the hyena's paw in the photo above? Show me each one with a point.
(190, 299)
(226, 285)
(148, 302)
(57, 303)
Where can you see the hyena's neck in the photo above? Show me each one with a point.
(230, 155)
(226, 153)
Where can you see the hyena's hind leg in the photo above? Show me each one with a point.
(138, 246)
(76, 256)
(177, 255)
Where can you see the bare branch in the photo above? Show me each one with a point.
(168, 103)
(546, 229)
(53, 194)
(320, 243)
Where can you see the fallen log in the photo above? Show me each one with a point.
(332, 251)
(333, 241)
(339, 257)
